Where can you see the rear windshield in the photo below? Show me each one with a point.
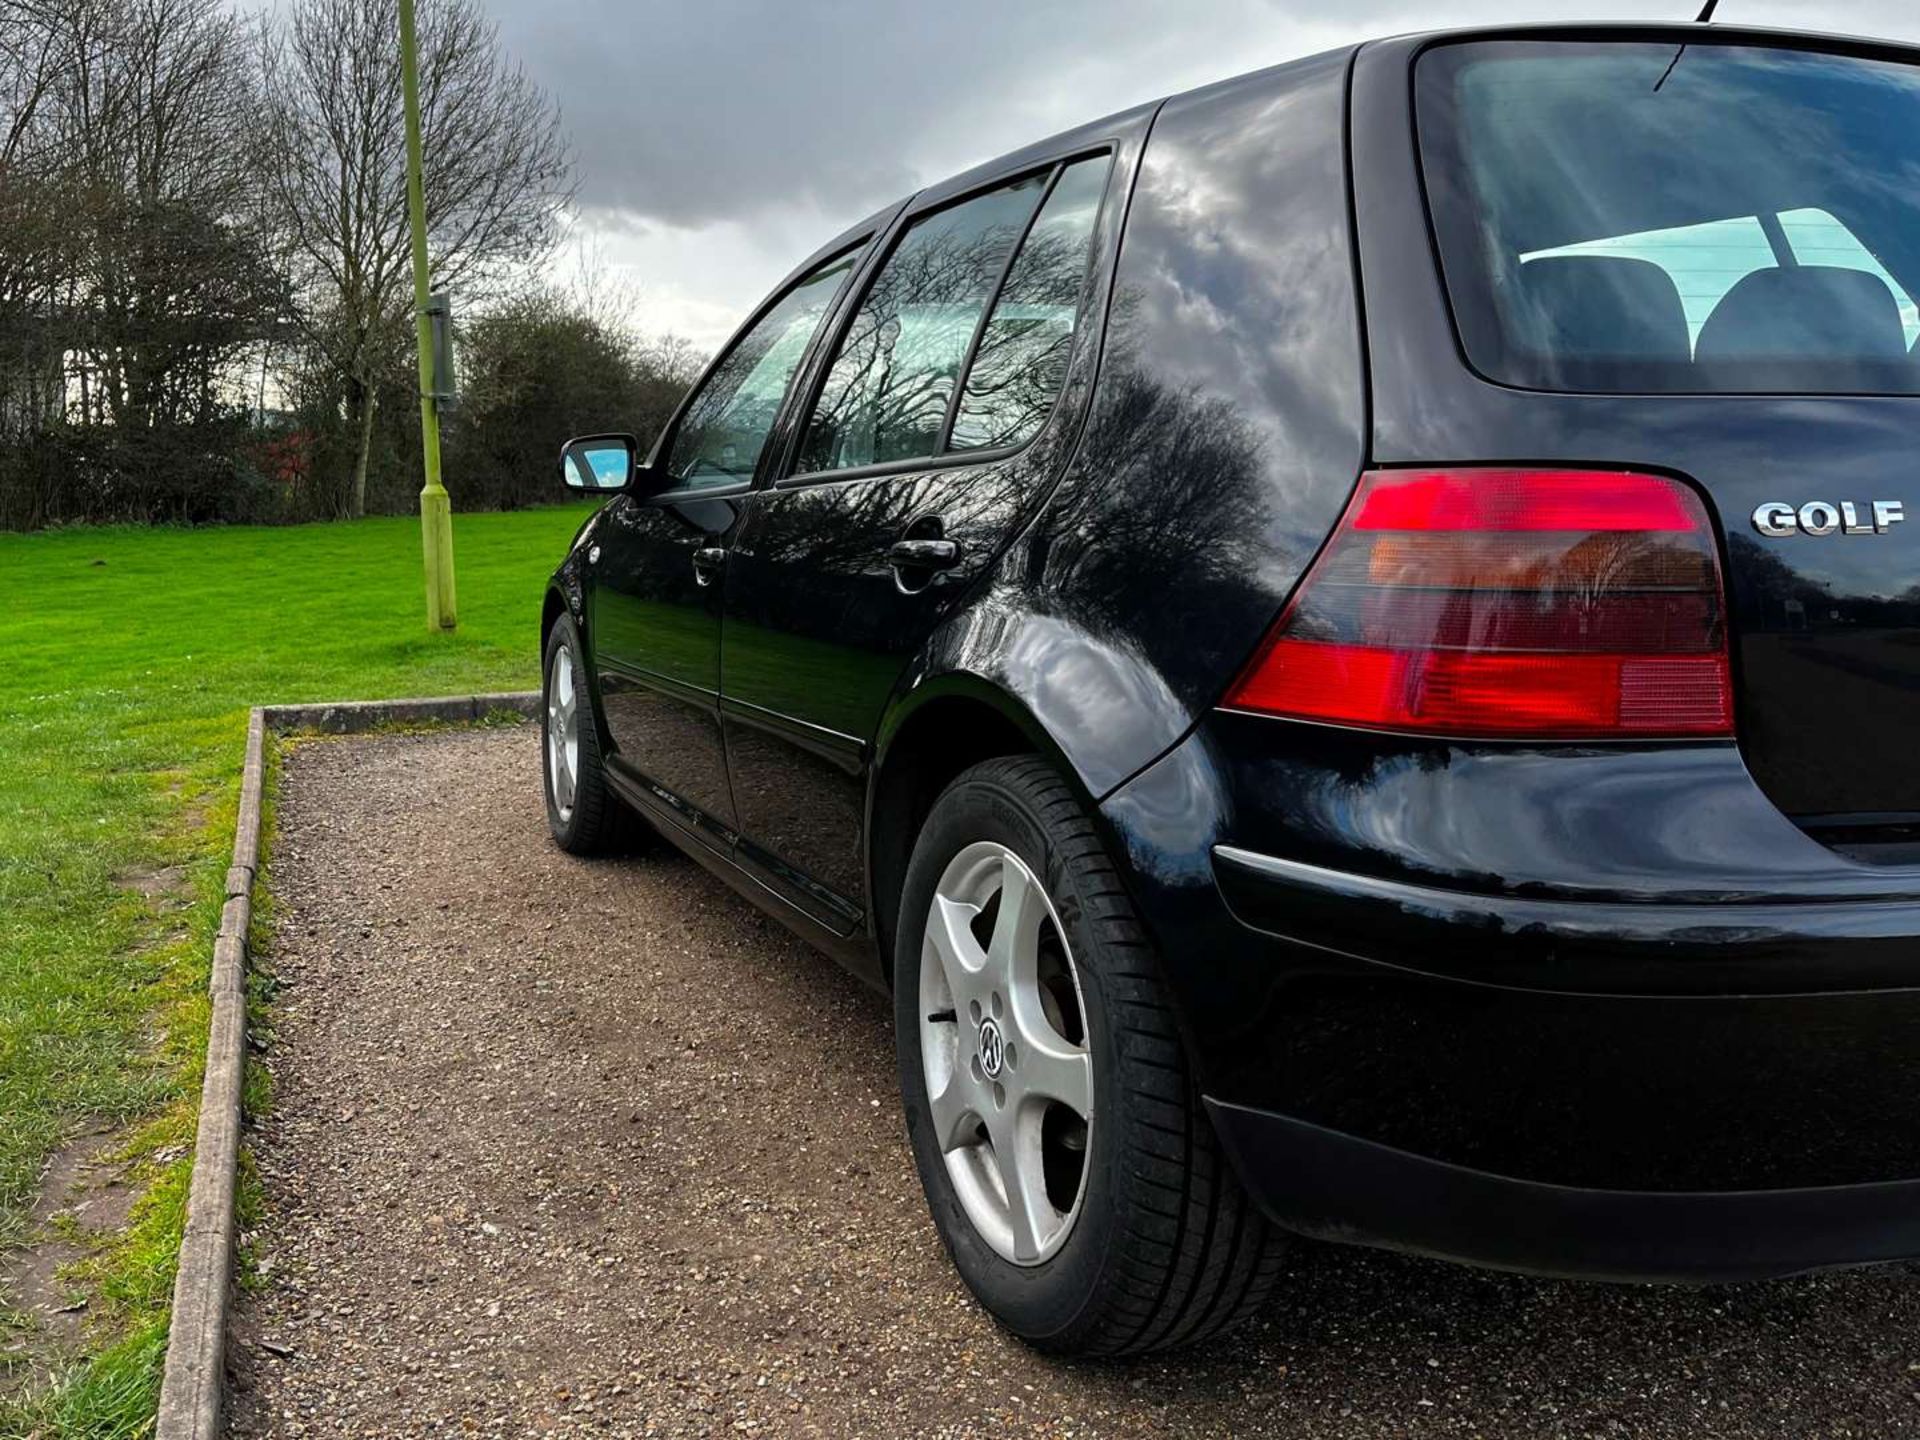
(1677, 218)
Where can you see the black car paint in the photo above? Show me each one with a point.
(825, 627)
(1590, 990)
(656, 651)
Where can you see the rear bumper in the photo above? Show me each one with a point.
(1336, 1187)
(1509, 1030)
(1595, 1046)
(1639, 1136)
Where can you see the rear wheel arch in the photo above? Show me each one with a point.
(946, 727)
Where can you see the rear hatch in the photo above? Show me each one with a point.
(1725, 238)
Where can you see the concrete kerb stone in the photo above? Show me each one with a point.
(193, 1383)
(348, 717)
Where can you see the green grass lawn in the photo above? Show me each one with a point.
(128, 660)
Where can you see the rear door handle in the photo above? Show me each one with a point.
(707, 562)
(924, 554)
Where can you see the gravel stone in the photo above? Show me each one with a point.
(592, 1148)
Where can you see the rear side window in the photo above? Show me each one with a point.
(1666, 218)
(1021, 361)
(990, 287)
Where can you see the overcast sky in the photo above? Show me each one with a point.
(719, 141)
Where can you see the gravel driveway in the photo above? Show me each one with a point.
(580, 1148)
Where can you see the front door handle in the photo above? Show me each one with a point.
(707, 562)
(924, 554)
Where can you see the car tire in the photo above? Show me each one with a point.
(584, 813)
(1159, 1245)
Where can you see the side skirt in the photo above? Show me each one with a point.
(857, 952)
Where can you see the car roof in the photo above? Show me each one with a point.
(1623, 31)
(1629, 31)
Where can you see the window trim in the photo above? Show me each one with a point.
(772, 454)
(785, 477)
(688, 494)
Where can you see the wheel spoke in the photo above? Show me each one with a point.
(955, 1121)
(1053, 1070)
(950, 929)
(1016, 927)
(563, 778)
(1016, 1154)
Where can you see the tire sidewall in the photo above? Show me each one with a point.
(1051, 1300)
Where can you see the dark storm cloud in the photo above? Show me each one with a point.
(694, 113)
(690, 113)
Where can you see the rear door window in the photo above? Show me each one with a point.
(886, 394)
(1657, 217)
(1021, 360)
(990, 288)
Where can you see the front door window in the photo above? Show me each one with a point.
(726, 425)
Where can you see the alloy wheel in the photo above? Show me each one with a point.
(563, 733)
(1003, 1039)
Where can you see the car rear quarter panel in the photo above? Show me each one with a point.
(1226, 430)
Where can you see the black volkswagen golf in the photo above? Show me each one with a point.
(1347, 647)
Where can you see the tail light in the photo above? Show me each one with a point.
(1483, 602)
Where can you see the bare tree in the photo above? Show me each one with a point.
(32, 54)
(32, 247)
(158, 119)
(545, 365)
(496, 170)
(130, 267)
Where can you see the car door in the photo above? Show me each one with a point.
(654, 601)
(925, 441)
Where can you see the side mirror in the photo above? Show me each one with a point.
(599, 464)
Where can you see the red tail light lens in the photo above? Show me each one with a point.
(1536, 603)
